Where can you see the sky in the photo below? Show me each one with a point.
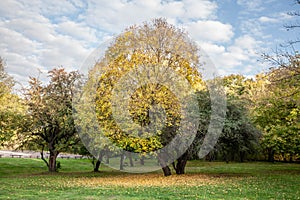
(38, 35)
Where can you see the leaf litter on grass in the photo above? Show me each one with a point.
(148, 180)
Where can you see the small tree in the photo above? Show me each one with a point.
(50, 119)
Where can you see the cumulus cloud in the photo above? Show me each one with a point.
(211, 31)
(231, 59)
(44, 34)
(77, 31)
(113, 16)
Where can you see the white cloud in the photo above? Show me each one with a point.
(285, 16)
(53, 9)
(77, 31)
(8, 8)
(38, 28)
(113, 16)
(253, 5)
(232, 59)
(275, 18)
(212, 49)
(44, 34)
(265, 19)
(195, 9)
(16, 42)
(253, 27)
(31, 41)
(211, 31)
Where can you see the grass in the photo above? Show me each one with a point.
(28, 179)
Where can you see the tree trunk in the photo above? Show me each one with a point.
(99, 160)
(122, 161)
(97, 166)
(226, 156)
(107, 159)
(167, 171)
(130, 159)
(181, 163)
(271, 154)
(242, 156)
(162, 161)
(142, 160)
(52, 161)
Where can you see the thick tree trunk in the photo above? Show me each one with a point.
(162, 161)
(52, 161)
(167, 171)
(181, 163)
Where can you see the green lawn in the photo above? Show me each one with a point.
(28, 179)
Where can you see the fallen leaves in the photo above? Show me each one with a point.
(148, 180)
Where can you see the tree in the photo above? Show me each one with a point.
(281, 100)
(278, 111)
(158, 50)
(6, 81)
(12, 111)
(51, 124)
(95, 143)
(239, 137)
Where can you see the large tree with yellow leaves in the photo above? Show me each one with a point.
(147, 76)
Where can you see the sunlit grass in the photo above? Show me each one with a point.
(28, 179)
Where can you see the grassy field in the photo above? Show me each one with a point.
(28, 179)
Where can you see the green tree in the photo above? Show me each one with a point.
(278, 111)
(239, 138)
(50, 120)
(12, 111)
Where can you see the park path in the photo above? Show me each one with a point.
(33, 154)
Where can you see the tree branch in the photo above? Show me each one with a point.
(42, 156)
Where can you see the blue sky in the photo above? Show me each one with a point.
(38, 35)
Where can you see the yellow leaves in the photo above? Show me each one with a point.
(148, 180)
(294, 114)
(146, 52)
